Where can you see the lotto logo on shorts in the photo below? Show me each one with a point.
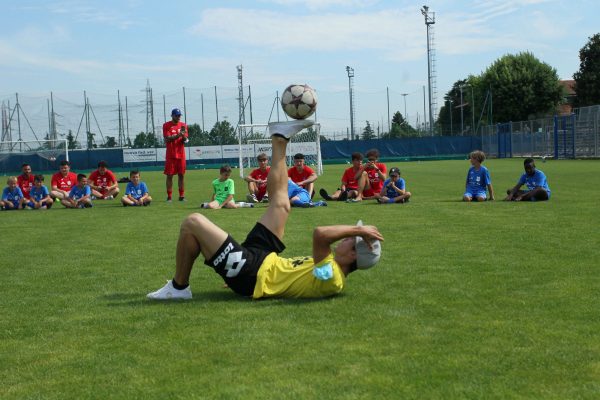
(223, 254)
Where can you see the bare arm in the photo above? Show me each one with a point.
(325, 236)
(513, 191)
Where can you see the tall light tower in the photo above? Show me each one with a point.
(350, 72)
(429, 21)
(241, 113)
(404, 95)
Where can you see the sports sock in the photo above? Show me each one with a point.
(178, 286)
(169, 194)
(181, 192)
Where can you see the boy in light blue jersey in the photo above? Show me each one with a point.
(536, 182)
(39, 196)
(80, 195)
(299, 197)
(478, 179)
(136, 192)
(394, 189)
(12, 195)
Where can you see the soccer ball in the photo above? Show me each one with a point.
(299, 101)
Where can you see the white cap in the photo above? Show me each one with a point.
(366, 257)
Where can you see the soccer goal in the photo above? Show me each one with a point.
(255, 139)
(40, 154)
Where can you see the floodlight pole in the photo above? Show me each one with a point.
(350, 72)
(404, 95)
(429, 20)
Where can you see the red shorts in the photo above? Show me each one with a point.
(174, 166)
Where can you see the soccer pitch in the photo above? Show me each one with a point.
(488, 300)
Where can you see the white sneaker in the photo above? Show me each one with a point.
(244, 204)
(251, 198)
(168, 292)
(290, 128)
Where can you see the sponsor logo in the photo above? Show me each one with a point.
(223, 254)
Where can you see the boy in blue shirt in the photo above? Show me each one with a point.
(536, 182)
(300, 197)
(80, 195)
(136, 192)
(394, 189)
(478, 179)
(39, 196)
(12, 196)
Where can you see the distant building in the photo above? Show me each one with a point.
(569, 97)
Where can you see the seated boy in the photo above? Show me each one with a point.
(478, 179)
(80, 195)
(536, 182)
(394, 189)
(39, 196)
(349, 188)
(223, 192)
(300, 197)
(136, 192)
(12, 195)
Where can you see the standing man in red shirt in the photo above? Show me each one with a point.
(103, 182)
(25, 180)
(175, 134)
(303, 175)
(63, 181)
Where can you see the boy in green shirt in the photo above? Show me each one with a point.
(223, 191)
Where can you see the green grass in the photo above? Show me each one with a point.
(495, 300)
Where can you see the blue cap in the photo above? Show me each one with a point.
(175, 112)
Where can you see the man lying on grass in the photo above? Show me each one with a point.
(254, 268)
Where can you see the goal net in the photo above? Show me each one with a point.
(255, 139)
(42, 155)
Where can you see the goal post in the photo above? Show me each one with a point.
(254, 139)
(42, 155)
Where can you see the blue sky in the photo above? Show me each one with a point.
(67, 46)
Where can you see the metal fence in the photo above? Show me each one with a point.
(565, 136)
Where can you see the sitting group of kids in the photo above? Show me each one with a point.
(359, 182)
(70, 189)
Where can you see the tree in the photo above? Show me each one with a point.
(145, 140)
(223, 133)
(110, 142)
(368, 132)
(587, 88)
(400, 128)
(522, 86)
(71, 142)
(197, 136)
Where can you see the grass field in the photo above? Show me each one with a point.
(494, 300)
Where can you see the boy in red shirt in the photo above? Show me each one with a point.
(175, 134)
(303, 175)
(370, 184)
(350, 178)
(103, 182)
(257, 180)
(26, 180)
(63, 181)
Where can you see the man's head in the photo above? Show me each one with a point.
(477, 156)
(65, 167)
(176, 114)
(26, 169)
(395, 174)
(357, 253)
(299, 160)
(134, 176)
(529, 166)
(102, 166)
(263, 160)
(81, 180)
(225, 172)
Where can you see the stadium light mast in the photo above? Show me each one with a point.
(405, 117)
(350, 72)
(429, 21)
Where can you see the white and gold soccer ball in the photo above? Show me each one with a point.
(299, 101)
